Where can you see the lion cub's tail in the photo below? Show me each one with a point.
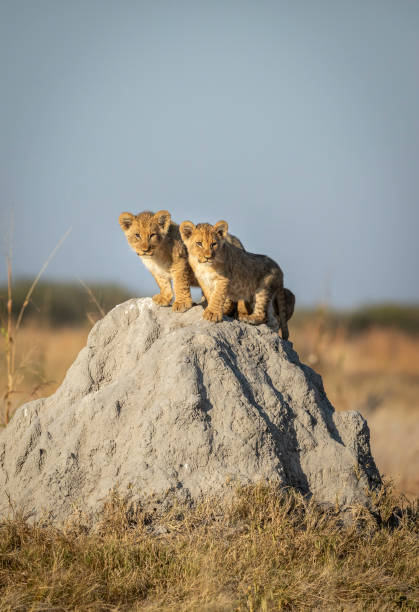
(284, 303)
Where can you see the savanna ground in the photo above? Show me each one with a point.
(265, 550)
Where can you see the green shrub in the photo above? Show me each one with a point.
(400, 316)
(62, 303)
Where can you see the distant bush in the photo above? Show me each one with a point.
(404, 317)
(60, 303)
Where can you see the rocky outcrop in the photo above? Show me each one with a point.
(168, 405)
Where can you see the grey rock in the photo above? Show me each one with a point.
(164, 405)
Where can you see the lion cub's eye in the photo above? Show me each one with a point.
(199, 244)
(137, 236)
(152, 235)
(213, 244)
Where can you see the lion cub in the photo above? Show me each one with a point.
(156, 239)
(225, 271)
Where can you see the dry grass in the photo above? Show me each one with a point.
(10, 328)
(263, 551)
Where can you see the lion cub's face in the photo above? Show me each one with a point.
(203, 241)
(145, 231)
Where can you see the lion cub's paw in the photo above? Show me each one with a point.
(252, 319)
(179, 306)
(161, 300)
(214, 317)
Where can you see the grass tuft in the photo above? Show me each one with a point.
(265, 550)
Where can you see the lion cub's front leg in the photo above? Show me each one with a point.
(165, 296)
(181, 286)
(214, 311)
(229, 307)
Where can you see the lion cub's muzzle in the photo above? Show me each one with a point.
(147, 252)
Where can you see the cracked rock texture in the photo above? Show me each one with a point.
(167, 405)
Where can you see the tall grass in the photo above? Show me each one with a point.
(10, 353)
(12, 330)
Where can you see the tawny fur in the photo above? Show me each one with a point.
(156, 239)
(227, 272)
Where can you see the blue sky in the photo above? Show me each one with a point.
(297, 122)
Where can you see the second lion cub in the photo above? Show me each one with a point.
(225, 271)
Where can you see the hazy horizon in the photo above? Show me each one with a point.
(296, 122)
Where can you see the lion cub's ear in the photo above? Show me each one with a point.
(186, 228)
(221, 228)
(125, 220)
(163, 219)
